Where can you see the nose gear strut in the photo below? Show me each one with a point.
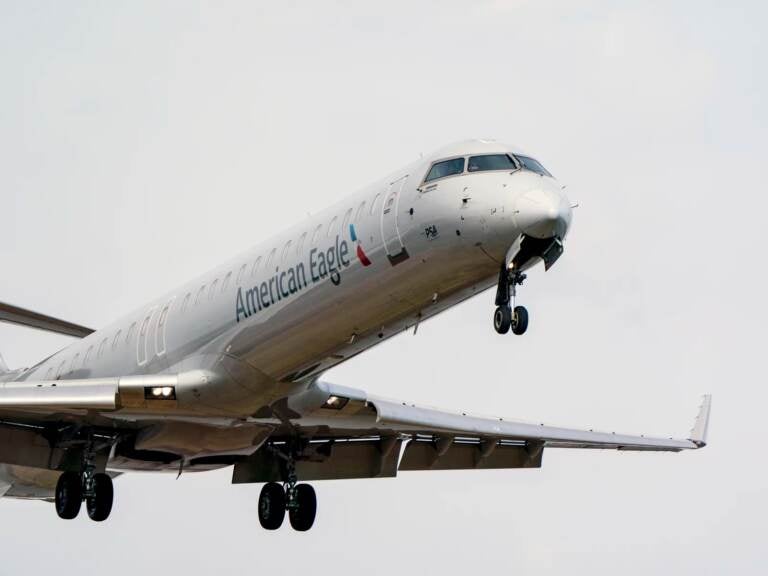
(508, 316)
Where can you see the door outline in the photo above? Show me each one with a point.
(142, 340)
(390, 231)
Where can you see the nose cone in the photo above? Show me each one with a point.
(543, 213)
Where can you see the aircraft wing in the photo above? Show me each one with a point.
(354, 435)
(333, 431)
(23, 317)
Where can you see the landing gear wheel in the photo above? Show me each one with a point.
(502, 319)
(272, 506)
(303, 515)
(520, 320)
(69, 495)
(99, 504)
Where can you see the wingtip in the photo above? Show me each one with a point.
(699, 431)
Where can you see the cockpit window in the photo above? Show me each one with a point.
(533, 165)
(445, 168)
(491, 162)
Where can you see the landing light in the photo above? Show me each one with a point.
(335, 403)
(160, 393)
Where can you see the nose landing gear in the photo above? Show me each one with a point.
(508, 316)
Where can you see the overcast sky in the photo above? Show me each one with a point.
(142, 143)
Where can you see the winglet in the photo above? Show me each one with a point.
(699, 431)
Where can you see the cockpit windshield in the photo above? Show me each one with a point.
(491, 162)
(532, 165)
(445, 168)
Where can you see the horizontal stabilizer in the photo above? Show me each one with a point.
(23, 317)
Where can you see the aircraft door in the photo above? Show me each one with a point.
(390, 232)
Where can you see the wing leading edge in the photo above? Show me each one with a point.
(407, 418)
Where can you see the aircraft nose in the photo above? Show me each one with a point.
(543, 213)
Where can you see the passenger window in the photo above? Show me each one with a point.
(87, 356)
(359, 213)
(345, 223)
(332, 226)
(300, 245)
(73, 366)
(116, 339)
(445, 168)
(185, 304)
(199, 297)
(132, 330)
(256, 266)
(375, 203)
(286, 248)
(61, 367)
(270, 259)
(225, 284)
(490, 162)
(102, 347)
(212, 291)
(242, 271)
(316, 234)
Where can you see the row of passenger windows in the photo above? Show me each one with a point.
(334, 227)
(318, 233)
(209, 291)
(486, 162)
(113, 343)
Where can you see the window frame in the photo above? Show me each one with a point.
(425, 182)
(300, 244)
(515, 163)
(331, 225)
(345, 222)
(212, 289)
(547, 173)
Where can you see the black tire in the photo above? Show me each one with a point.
(502, 319)
(272, 506)
(520, 321)
(69, 495)
(99, 505)
(303, 516)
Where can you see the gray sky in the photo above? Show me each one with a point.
(142, 143)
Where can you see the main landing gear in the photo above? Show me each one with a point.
(508, 316)
(95, 488)
(298, 499)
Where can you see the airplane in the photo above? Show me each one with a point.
(229, 369)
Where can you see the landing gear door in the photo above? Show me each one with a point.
(390, 231)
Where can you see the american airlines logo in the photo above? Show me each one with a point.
(322, 265)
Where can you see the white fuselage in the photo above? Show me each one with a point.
(295, 305)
